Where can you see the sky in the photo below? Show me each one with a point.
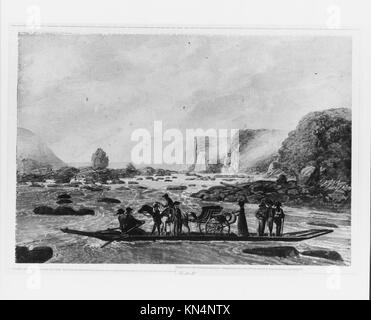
(81, 92)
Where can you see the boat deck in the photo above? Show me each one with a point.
(112, 235)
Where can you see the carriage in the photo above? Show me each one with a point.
(214, 220)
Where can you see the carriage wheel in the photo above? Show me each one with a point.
(214, 227)
(225, 228)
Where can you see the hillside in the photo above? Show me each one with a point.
(34, 152)
(322, 141)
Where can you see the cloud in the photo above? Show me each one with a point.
(84, 91)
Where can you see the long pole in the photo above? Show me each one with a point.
(126, 233)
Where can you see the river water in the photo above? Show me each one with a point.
(33, 230)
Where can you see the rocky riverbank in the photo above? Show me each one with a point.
(288, 192)
(88, 175)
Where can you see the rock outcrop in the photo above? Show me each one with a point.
(99, 159)
(325, 254)
(33, 167)
(36, 255)
(252, 192)
(281, 252)
(280, 190)
(176, 188)
(64, 201)
(320, 147)
(109, 200)
(64, 196)
(308, 176)
(147, 171)
(62, 211)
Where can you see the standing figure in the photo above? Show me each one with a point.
(177, 218)
(156, 216)
(261, 215)
(279, 218)
(242, 228)
(121, 218)
(270, 216)
(170, 207)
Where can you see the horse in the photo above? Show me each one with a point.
(149, 210)
(166, 218)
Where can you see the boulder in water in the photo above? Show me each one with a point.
(147, 171)
(64, 196)
(36, 255)
(73, 184)
(63, 201)
(109, 200)
(117, 181)
(65, 174)
(64, 211)
(43, 210)
(37, 185)
(122, 188)
(85, 212)
(325, 254)
(91, 188)
(176, 188)
(281, 252)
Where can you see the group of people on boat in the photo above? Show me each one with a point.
(170, 208)
(268, 214)
(127, 221)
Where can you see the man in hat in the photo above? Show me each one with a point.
(270, 216)
(156, 218)
(177, 218)
(169, 201)
(170, 206)
(126, 220)
(279, 217)
(261, 215)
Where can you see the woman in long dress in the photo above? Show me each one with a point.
(242, 228)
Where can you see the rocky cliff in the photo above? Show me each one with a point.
(33, 153)
(320, 147)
